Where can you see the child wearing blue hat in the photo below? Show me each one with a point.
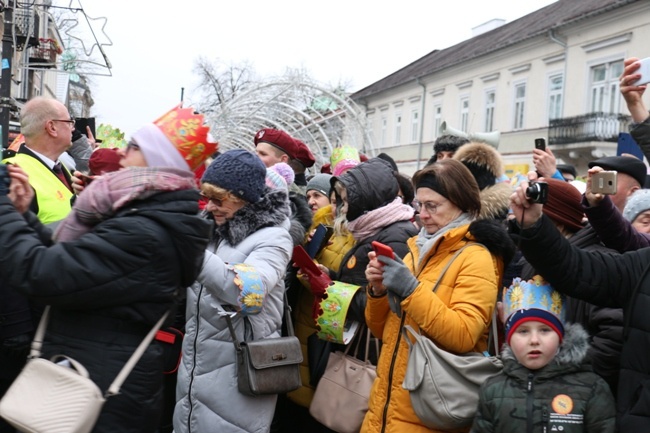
(545, 385)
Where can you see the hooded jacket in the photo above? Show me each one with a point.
(208, 399)
(564, 396)
(107, 289)
(456, 316)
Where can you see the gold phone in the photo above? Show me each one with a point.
(604, 182)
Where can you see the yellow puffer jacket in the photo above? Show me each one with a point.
(456, 317)
(331, 257)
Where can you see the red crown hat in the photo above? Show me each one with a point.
(304, 155)
(186, 131)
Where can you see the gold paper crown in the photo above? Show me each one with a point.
(186, 131)
(534, 293)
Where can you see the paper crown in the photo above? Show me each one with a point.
(333, 324)
(185, 130)
(342, 153)
(534, 293)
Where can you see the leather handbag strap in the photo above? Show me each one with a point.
(493, 334)
(444, 270)
(287, 319)
(114, 388)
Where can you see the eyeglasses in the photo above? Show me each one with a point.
(69, 121)
(220, 199)
(429, 206)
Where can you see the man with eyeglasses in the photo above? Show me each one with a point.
(47, 127)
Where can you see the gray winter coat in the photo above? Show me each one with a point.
(207, 396)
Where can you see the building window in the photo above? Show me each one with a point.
(384, 130)
(520, 105)
(464, 113)
(437, 119)
(398, 128)
(555, 91)
(490, 97)
(415, 126)
(604, 87)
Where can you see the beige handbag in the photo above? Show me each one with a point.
(341, 398)
(444, 387)
(57, 395)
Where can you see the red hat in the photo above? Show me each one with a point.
(104, 160)
(304, 155)
(279, 139)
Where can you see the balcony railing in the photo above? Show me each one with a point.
(588, 127)
(45, 52)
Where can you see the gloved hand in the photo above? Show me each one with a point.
(398, 279)
(319, 282)
(5, 180)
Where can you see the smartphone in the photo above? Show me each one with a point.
(86, 179)
(382, 250)
(540, 144)
(318, 241)
(604, 182)
(644, 70)
(80, 124)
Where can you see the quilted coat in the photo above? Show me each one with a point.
(208, 399)
(456, 317)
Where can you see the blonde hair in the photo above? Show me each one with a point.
(213, 191)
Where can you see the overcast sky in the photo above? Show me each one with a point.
(155, 44)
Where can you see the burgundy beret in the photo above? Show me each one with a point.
(304, 155)
(279, 139)
(104, 160)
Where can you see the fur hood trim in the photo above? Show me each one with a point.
(495, 201)
(272, 210)
(573, 349)
(482, 155)
(494, 236)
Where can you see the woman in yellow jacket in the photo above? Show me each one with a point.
(456, 317)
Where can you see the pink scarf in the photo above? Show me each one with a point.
(371, 222)
(111, 192)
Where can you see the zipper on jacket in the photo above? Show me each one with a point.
(530, 399)
(194, 345)
(544, 419)
(390, 374)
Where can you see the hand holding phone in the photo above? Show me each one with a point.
(382, 250)
(644, 70)
(604, 182)
(540, 144)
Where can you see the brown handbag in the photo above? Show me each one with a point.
(268, 366)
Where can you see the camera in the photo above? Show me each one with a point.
(537, 192)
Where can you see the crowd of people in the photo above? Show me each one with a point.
(111, 240)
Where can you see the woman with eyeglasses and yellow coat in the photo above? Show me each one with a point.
(457, 316)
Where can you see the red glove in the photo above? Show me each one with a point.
(318, 280)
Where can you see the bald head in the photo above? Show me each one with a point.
(45, 124)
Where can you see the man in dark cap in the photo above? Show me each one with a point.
(567, 171)
(631, 176)
(445, 146)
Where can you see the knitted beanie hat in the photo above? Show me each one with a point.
(104, 160)
(240, 172)
(280, 175)
(563, 205)
(637, 203)
(320, 183)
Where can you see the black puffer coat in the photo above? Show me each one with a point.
(607, 280)
(107, 289)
